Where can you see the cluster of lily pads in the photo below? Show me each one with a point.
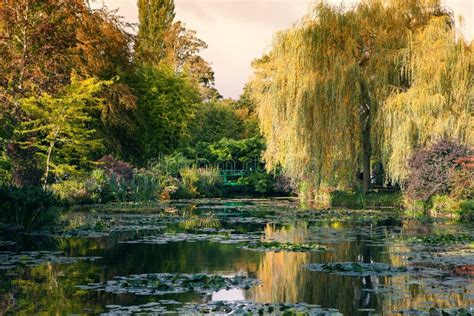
(441, 258)
(357, 268)
(439, 312)
(222, 237)
(282, 246)
(224, 308)
(11, 260)
(442, 239)
(168, 283)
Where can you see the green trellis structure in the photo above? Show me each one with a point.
(231, 176)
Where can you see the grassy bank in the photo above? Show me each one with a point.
(356, 200)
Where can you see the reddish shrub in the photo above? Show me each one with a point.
(462, 178)
(116, 168)
(430, 169)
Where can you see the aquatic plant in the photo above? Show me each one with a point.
(166, 283)
(282, 246)
(357, 268)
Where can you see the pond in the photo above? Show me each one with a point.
(238, 256)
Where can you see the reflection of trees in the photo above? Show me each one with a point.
(50, 289)
(281, 277)
(415, 296)
(280, 271)
(285, 279)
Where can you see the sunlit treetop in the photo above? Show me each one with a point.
(320, 89)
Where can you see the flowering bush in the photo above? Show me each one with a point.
(118, 169)
(462, 179)
(431, 169)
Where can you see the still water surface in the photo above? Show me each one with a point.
(100, 245)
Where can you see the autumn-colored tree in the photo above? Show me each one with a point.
(320, 89)
(438, 99)
(182, 49)
(43, 42)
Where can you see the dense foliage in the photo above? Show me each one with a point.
(95, 114)
(28, 207)
(441, 178)
(347, 88)
(431, 170)
(76, 86)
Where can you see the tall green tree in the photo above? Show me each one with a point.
(216, 120)
(320, 89)
(155, 19)
(60, 129)
(166, 106)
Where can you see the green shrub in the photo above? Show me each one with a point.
(414, 208)
(259, 182)
(444, 205)
(188, 186)
(467, 210)
(170, 165)
(145, 185)
(72, 191)
(28, 207)
(198, 182)
(95, 188)
(209, 183)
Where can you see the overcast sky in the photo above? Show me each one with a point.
(238, 31)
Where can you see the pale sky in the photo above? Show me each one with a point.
(238, 31)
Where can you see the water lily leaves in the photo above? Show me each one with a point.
(442, 239)
(169, 237)
(11, 260)
(439, 312)
(357, 268)
(282, 246)
(226, 307)
(169, 283)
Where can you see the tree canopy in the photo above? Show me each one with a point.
(322, 90)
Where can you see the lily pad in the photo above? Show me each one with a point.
(357, 268)
(165, 238)
(168, 283)
(280, 246)
(225, 307)
(10, 260)
(442, 239)
(439, 312)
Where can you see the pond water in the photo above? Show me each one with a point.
(253, 255)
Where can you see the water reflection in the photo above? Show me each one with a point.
(51, 288)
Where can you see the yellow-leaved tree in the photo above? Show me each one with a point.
(321, 90)
(438, 103)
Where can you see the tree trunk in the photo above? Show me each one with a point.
(366, 130)
(48, 160)
(366, 154)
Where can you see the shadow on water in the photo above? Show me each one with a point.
(46, 281)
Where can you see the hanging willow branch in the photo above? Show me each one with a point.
(321, 87)
(439, 103)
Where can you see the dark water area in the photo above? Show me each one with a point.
(77, 269)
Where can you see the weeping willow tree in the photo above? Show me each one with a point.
(320, 88)
(439, 69)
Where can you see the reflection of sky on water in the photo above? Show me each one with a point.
(229, 295)
(284, 275)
